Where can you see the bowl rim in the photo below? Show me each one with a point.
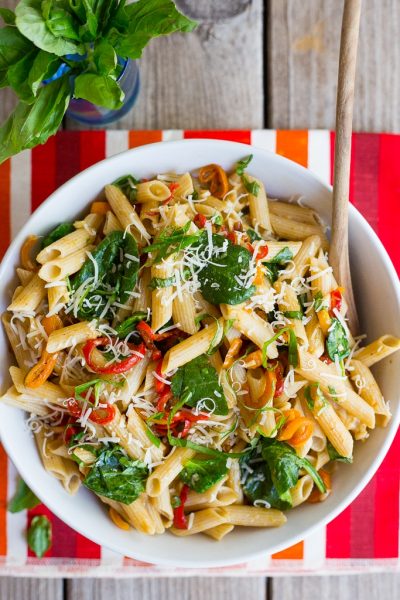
(373, 240)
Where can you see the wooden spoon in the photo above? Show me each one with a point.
(339, 249)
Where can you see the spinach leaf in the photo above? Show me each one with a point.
(253, 235)
(253, 187)
(148, 19)
(242, 165)
(116, 277)
(43, 67)
(18, 76)
(277, 263)
(318, 301)
(337, 344)
(127, 184)
(13, 48)
(293, 353)
(32, 24)
(60, 231)
(32, 124)
(116, 476)
(334, 454)
(293, 314)
(202, 473)
(39, 535)
(161, 282)
(101, 90)
(169, 242)
(200, 378)
(8, 16)
(129, 325)
(225, 277)
(257, 481)
(23, 498)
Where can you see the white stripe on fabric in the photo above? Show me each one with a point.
(109, 557)
(16, 524)
(319, 153)
(264, 138)
(116, 142)
(171, 134)
(20, 209)
(315, 549)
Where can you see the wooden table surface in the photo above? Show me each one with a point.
(251, 64)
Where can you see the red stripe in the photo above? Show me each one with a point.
(338, 536)
(41, 510)
(86, 548)
(92, 148)
(386, 532)
(43, 172)
(362, 521)
(365, 175)
(68, 155)
(389, 196)
(5, 192)
(243, 136)
(3, 501)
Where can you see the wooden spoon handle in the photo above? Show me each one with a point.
(339, 251)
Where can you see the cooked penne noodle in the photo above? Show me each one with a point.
(378, 350)
(286, 228)
(219, 531)
(259, 207)
(302, 490)
(61, 468)
(69, 244)
(71, 336)
(252, 326)
(295, 212)
(202, 520)
(184, 312)
(165, 473)
(253, 516)
(153, 190)
(125, 212)
(29, 297)
(161, 297)
(111, 223)
(60, 268)
(368, 390)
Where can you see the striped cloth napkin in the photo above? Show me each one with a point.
(366, 535)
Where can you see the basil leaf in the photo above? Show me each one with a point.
(337, 344)
(60, 231)
(13, 48)
(318, 300)
(23, 498)
(129, 325)
(269, 342)
(148, 19)
(200, 378)
(39, 535)
(27, 74)
(170, 242)
(225, 277)
(32, 25)
(253, 235)
(334, 454)
(242, 165)
(62, 24)
(293, 314)
(8, 16)
(127, 184)
(253, 187)
(105, 58)
(293, 354)
(30, 125)
(116, 476)
(159, 282)
(101, 90)
(201, 474)
(277, 263)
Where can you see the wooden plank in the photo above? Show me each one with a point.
(14, 588)
(303, 50)
(378, 586)
(209, 79)
(189, 588)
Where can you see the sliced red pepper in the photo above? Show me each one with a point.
(159, 385)
(325, 358)
(262, 253)
(163, 400)
(180, 521)
(69, 432)
(103, 415)
(336, 299)
(250, 248)
(118, 367)
(200, 220)
(231, 236)
(74, 408)
(172, 188)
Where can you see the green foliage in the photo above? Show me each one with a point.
(334, 454)
(202, 473)
(116, 476)
(23, 498)
(129, 325)
(337, 344)
(39, 535)
(57, 233)
(171, 241)
(200, 378)
(277, 263)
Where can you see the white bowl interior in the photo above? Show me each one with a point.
(373, 274)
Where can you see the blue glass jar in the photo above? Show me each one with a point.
(91, 114)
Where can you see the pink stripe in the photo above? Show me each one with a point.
(386, 532)
(389, 195)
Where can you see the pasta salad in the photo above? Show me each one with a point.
(182, 351)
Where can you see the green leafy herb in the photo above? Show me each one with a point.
(200, 474)
(228, 324)
(116, 277)
(127, 185)
(39, 535)
(159, 282)
(200, 378)
(84, 44)
(152, 437)
(293, 354)
(225, 278)
(277, 263)
(253, 187)
(170, 242)
(23, 498)
(318, 301)
(116, 476)
(242, 165)
(253, 235)
(129, 325)
(293, 314)
(217, 339)
(334, 454)
(57, 233)
(269, 342)
(337, 344)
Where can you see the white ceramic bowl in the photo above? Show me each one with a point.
(378, 295)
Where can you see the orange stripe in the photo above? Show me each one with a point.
(3, 502)
(293, 145)
(294, 552)
(140, 138)
(5, 191)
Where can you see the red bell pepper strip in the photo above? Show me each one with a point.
(325, 358)
(262, 252)
(172, 188)
(163, 400)
(159, 385)
(200, 220)
(336, 299)
(69, 432)
(118, 367)
(180, 521)
(99, 415)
